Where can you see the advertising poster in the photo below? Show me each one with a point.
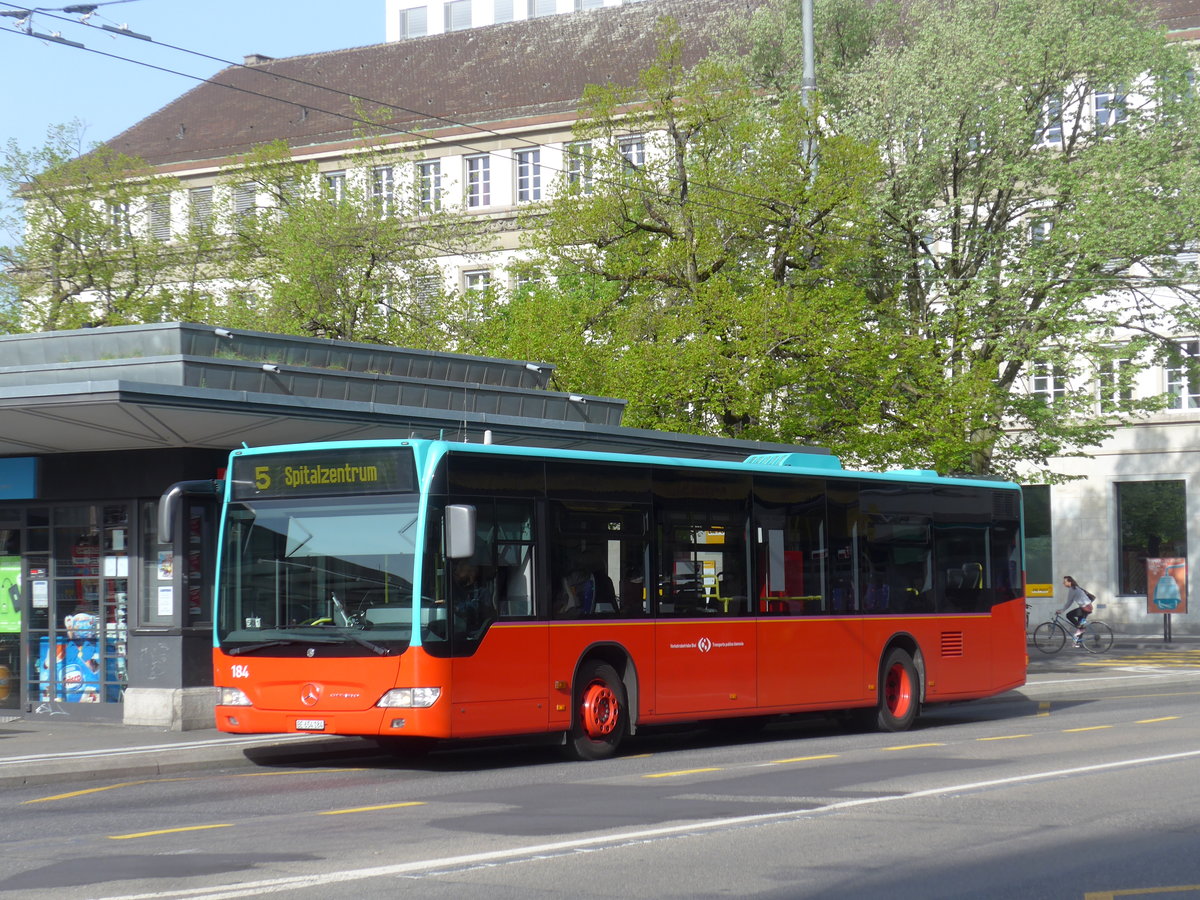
(10, 629)
(1166, 585)
(10, 595)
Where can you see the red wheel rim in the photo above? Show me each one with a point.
(897, 691)
(599, 711)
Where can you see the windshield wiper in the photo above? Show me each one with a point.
(333, 638)
(250, 648)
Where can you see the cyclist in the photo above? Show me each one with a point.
(1077, 607)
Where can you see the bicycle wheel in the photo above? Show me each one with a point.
(1049, 637)
(1097, 637)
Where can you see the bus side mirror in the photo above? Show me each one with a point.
(460, 531)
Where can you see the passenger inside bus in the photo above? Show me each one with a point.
(473, 595)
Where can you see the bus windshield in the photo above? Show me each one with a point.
(317, 571)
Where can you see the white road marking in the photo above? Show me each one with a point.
(297, 882)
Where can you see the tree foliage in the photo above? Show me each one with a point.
(679, 273)
(1018, 231)
(84, 257)
(360, 265)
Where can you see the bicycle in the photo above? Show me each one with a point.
(1051, 636)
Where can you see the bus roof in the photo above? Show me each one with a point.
(799, 463)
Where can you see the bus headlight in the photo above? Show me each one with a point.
(410, 698)
(232, 697)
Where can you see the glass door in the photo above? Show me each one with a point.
(78, 604)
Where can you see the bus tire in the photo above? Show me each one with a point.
(601, 717)
(899, 692)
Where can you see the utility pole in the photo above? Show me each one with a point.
(808, 82)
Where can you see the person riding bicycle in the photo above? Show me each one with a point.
(1077, 607)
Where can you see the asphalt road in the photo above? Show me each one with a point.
(1082, 786)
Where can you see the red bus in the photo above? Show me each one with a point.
(415, 590)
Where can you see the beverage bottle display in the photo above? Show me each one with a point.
(1166, 591)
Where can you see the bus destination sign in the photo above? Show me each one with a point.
(311, 473)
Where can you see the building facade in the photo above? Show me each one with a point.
(420, 18)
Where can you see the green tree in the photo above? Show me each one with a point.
(82, 253)
(1021, 227)
(351, 258)
(678, 260)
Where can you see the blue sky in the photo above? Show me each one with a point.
(47, 84)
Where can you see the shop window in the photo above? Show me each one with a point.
(1151, 524)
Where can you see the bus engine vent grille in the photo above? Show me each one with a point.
(952, 643)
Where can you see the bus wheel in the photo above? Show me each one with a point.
(899, 692)
(600, 719)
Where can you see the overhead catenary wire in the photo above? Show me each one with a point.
(395, 129)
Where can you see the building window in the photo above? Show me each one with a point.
(1050, 128)
(477, 279)
(633, 150)
(588, 4)
(1039, 231)
(458, 15)
(542, 8)
(334, 184)
(580, 166)
(243, 200)
(479, 181)
(427, 290)
(414, 22)
(1110, 108)
(118, 223)
(503, 11)
(1184, 390)
(200, 207)
(1116, 389)
(1049, 382)
(529, 176)
(429, 185)
(1151, 524)
(1039, 563)
(383, 192)
(160, 218)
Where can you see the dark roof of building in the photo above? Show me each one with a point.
(1178, 15)
(517, 71)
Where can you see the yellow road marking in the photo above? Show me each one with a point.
(913, 746)
(125, 784)
(1004, 737)
(796, 759)
(1139, 892)
(358, 809)
(1151, 721)
(1088, 728)
(296, 772)
(97, 790)
(142, 834)
(1044, 708)
(681, 772)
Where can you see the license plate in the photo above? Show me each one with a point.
(310, 724)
